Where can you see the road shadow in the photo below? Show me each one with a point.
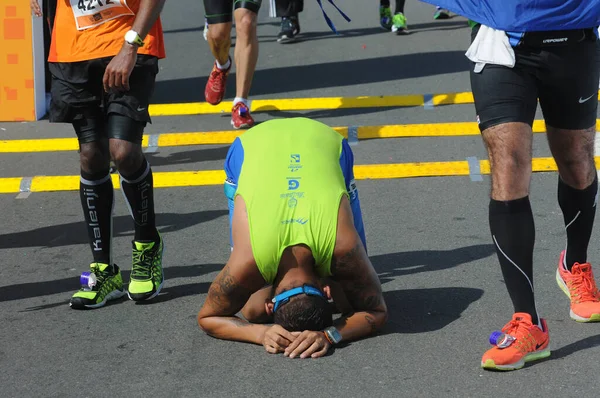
(75, 233)
(583, 344)
(426, 310)
(286, 80)
(186, 157)
(201, 28)
(390, 266)
(70, 285)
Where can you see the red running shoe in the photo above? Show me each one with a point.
(215, 86)
(240, 117)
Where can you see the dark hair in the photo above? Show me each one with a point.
(304, 312)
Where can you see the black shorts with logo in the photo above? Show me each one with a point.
(561, 69)
(78, 93)
(221, 11)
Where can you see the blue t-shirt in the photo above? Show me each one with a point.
(527, 15)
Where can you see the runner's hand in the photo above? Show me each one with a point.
(276, 339)
(116, 76)
(308, 344)
(35, 8)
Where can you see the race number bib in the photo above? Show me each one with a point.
(90, 13)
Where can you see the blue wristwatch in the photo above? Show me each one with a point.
(332, 335)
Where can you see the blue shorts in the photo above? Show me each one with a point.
(233, 168)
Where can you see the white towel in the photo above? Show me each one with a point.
(491, 46)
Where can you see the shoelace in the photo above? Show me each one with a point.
(242, 109)
(101, 276)
(518, 330)
(583, 283)
(141, 263)
(217, 81)
(512, 327)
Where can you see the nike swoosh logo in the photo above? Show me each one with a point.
(140, 109)
(581, 100)
(537, 347)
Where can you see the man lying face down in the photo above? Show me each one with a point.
(296, 227)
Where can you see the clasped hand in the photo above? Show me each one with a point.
(293, 344)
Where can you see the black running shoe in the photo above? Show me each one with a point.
(290, 28)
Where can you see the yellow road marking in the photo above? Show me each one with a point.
(10, 185)
(296, 104)
(227, 137)
(217, 177)
(304, 104)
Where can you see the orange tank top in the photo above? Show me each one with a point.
(91, 29)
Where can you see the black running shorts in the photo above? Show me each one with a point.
(220, 11)
(564, 77)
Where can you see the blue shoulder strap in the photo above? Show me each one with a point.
(329, 22)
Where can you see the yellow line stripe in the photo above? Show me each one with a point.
(303, 104)
(295, 104)
(227, 137)
(216, 177)
(10, 185)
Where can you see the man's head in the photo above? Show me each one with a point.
(300, 302)
(302, 308)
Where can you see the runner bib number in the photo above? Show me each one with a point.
(90, 13)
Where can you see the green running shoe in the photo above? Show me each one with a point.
(399, 24)
(441, 13)
(147, 275)
(385, 17)
(104, 283)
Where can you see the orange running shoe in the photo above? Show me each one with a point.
(580, 286)
(240, 116)
(215, 86)
(530, 344)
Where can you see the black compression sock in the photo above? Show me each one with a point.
(139, 193)
(97, 199)
(399, 6)
(513, 233)
(579, 210)
(384, 3)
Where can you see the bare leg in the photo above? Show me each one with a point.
(509, 151)
(573, 151)
(219, 41)
(246, 50)
(510, 215)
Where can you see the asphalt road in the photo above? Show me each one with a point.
(428, 238)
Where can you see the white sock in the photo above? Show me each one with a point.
(242, 100)
(226, 66)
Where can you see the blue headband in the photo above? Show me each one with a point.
(284, 297)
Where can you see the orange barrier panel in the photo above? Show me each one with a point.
(18, 72)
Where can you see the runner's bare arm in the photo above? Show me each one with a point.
(147, 15)
(361, 286)
(118, 71)
(226, 296)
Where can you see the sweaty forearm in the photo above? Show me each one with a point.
(232, 328)
(147, 15)
(360, 324)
